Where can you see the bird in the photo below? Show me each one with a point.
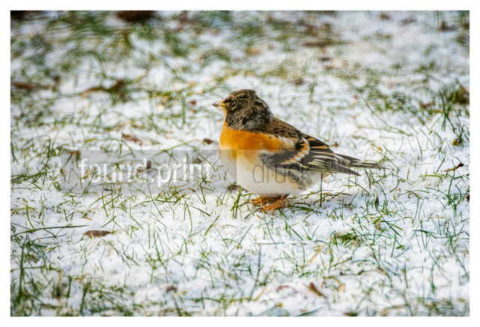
(271, 158)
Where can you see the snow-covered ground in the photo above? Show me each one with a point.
(390, 86)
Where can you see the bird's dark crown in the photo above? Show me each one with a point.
(238, 100)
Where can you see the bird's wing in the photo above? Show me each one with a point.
(303, 153)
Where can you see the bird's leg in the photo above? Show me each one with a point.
(277, 203)
(262, 200)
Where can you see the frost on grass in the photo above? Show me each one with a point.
(390, 86)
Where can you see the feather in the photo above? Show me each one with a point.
(304, 153)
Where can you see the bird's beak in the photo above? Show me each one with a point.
(217, 104)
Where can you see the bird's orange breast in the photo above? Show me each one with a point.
(248, 143)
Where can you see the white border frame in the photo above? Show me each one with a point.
(472, 6)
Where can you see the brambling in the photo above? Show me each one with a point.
(271, 158)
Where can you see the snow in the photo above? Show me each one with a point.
(191, 249)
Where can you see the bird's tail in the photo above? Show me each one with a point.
(357, 163)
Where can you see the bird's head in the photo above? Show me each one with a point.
(244, 110)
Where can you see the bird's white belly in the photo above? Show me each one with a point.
(258, 179)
